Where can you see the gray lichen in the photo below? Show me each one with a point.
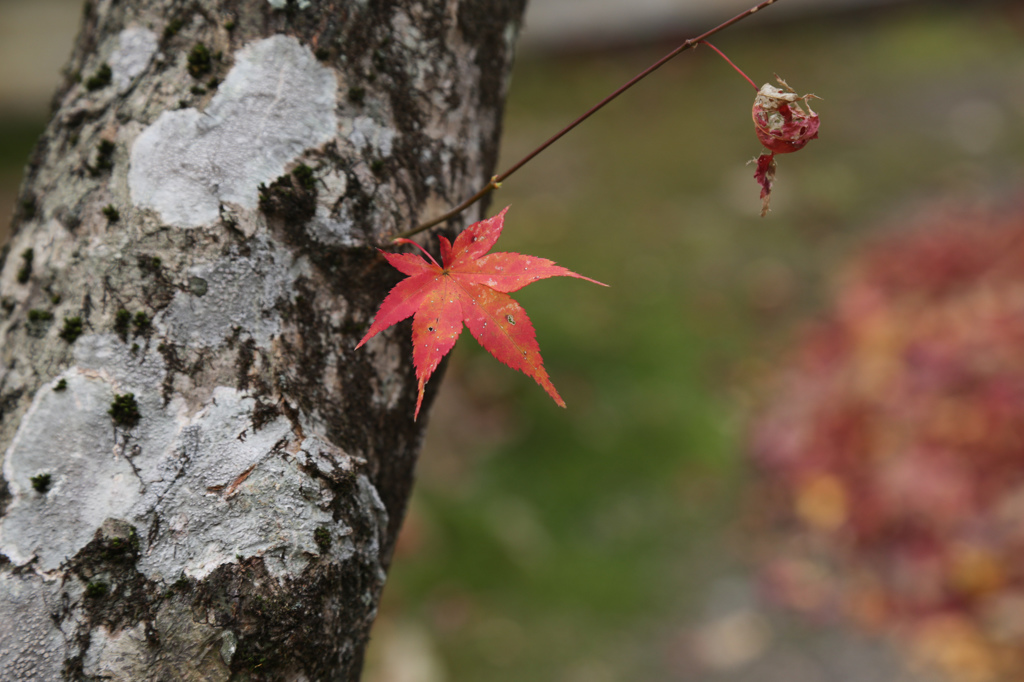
(34, 650)
(363, 132)
(224, 488)
(236, 292)
(276, 102)
(238, 497)
(135, 50)
(73, 440)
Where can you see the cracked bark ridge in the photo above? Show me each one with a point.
(201, 479)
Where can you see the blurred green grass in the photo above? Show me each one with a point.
(581, 540)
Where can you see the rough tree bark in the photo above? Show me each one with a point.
(202, 480)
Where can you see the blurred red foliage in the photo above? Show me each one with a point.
(891, 454)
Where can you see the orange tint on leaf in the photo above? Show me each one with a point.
(470, 287)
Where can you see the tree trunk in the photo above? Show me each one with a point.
(202, 479)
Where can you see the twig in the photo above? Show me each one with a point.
(496, 181)
(729, 62)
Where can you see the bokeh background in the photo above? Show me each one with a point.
(621, 539)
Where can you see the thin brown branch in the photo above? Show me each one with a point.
(498, 179)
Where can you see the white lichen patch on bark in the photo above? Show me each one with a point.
(135, 49)
(325, 458)
(68, 435)
(117, 656)
(127, 654)
(364, 132)
(328, 226)
(32, 648)
(221, 488)
(234, 292)
(234, 495)
(105, 355)
(275, 103)
(333, 222)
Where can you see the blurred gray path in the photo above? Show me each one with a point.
(553, 22)
(739, 640)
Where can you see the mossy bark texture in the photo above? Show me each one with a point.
(192, 263)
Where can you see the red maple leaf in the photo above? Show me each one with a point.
(783, 127)
(471, 287)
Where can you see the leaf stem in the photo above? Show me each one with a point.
(729, 62)
(403, 240)
(496, 181)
